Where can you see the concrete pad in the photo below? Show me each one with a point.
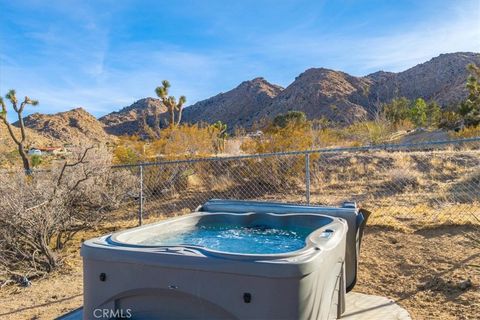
(361, 306)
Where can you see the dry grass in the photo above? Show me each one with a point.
(404, 190)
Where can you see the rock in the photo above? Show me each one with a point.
(464, 285)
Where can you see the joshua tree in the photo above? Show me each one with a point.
(174, 108)
(219, 131)
(19, 141)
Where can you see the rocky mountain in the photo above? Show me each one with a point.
(76, 126)
(441, 79)
(137, 118)
(321, 92)
(339, 96)
(237, 107)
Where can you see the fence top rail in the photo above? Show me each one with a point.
(387, 147)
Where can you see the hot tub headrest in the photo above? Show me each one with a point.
(242, 206)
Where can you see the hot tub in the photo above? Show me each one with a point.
(227, 260)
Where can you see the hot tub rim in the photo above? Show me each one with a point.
(311, 245)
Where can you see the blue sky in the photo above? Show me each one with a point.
(103, 55)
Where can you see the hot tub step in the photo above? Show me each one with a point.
(361, 306)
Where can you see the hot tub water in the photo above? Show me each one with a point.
(235, 239)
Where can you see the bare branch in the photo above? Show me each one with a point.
(66, 164)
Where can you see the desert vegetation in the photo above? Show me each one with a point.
(42, 212)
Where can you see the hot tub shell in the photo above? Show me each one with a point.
(124, 277)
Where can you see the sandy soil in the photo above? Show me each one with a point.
(426, 272)
(433, 273)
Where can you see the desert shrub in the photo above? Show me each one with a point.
(327, 137)
(397, 110)
(292, 137)
(370, 132)
(184, 141)
(284, 172)
(126, 155)
(36, 160)
(450, 120)
(404, 125)
(218, 133)
(295, 118)
(468, 132)
(470, 108)
(166, 180)
(417, 112)
(40, 213)
(434, 114)
(466, 190)
(188, 140)
(129, 150)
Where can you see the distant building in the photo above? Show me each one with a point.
(46, 151)
(255, 134)
(34, 152)
(52, 150)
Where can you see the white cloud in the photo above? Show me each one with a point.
(404, 50)
(396, 51)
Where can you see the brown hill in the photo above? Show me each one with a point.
(34, 139)
(76, 126)
(237, 107)
(441, 79)
(323, 93)
(137, 118)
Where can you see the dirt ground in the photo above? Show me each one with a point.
(433, 273)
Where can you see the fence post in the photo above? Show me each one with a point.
(140, 209)
(307, 177)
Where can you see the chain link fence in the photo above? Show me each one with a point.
(424, 183)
